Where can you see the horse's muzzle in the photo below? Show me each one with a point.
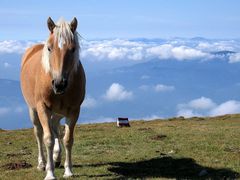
(59, 85)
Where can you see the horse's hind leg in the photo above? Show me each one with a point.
(68, 143)
(57, 145)
(38, 131)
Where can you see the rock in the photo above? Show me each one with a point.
(171, 152)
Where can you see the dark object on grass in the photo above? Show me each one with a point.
(123, 122)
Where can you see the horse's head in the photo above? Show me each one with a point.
(61, 53)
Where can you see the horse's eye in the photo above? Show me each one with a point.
(73, 50)
(49, 49)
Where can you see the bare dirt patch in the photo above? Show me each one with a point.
(158, 137)
(232, 149)
(144, 129)
(16, 165)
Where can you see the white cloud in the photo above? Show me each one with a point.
(136, 54)
(186, 53)
(139, 50)
(116, 53)
(167, 51)
(206, 107)
(89, 102)
(229, 107)
(117, 92)
(125, 49)
(162, 51)
(163, 88)
(202, 103)
(195, 107)
(12, 46)
(233, 58)
(220, 45)
(187, 113)
(113, 50)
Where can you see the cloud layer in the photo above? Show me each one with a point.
(13, 46)
(145, 49)
(177, 48)
(207, 107)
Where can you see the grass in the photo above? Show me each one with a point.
(177, 148)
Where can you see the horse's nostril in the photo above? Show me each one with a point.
(59, 85)
(64, 82)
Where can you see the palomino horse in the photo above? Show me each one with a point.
(53, 85)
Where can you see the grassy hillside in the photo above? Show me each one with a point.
(173, 148)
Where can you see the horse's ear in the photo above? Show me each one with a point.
(73, 24)
(51, 24)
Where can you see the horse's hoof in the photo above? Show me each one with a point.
(50, 178)
(57, 164)
(68, 175)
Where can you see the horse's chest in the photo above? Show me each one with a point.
(62, 106)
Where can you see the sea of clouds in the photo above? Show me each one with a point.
(144, 49)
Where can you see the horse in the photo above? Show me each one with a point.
(53, 85)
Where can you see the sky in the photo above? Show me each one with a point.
(143, 59)
(26, 20)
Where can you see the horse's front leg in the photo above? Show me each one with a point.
(57, 146)
(68, 143)
(48, 137)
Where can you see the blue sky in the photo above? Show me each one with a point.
(26, 20)
(172, 75)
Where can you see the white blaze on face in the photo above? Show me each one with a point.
(61, 42)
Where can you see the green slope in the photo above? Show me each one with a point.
(174, 148)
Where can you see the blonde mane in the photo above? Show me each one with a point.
(63, 35)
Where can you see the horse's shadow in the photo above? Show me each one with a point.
(166, 167)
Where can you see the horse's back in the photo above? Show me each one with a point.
(30, 52)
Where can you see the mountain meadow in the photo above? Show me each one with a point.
(176, 148)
